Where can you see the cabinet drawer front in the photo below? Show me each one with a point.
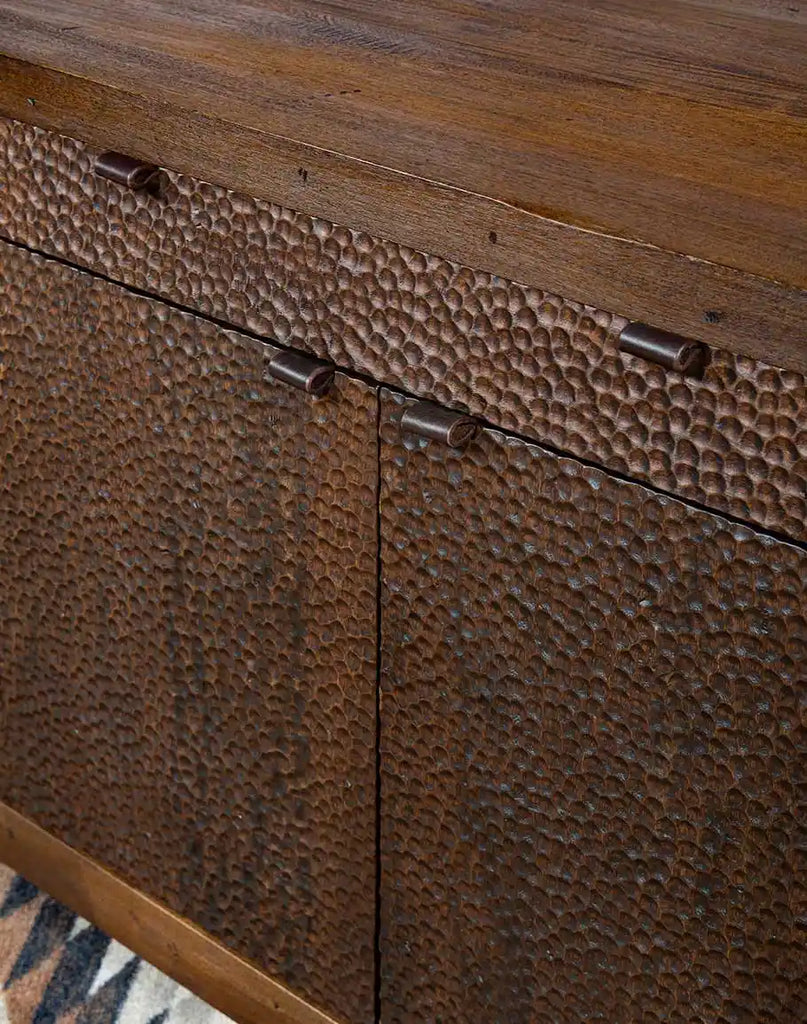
(525, 359)
(187, 621)
(592, 742)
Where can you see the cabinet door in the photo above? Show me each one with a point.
(188, 621)
(591, 746)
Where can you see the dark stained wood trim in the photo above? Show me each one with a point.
(176, 947)
(722, 306)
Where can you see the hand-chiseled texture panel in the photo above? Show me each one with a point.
(592, 746)
(525, 359)
(187, 621)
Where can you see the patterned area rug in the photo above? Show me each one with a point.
(56, 968)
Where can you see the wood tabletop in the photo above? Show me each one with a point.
(665, 131)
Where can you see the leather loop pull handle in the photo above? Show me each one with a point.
(433, 421)
(684, 355)
(125, 170)
(314, 376)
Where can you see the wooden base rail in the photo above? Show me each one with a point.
(173, 945)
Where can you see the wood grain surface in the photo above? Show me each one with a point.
(647, 158)
(174, 945)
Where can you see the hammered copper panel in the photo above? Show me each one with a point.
(593, 739)
(526, 360)
(187, 621)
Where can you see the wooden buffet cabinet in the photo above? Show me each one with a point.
(384, 636)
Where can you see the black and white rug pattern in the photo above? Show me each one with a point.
(57, 968)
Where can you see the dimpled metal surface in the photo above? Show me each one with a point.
(187, 621)
(527, 360)
(593, 739)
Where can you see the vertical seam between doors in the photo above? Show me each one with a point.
(377, 937)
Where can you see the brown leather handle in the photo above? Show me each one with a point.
(455, 429)
(314, 376)
(125, 170)
(684, 355)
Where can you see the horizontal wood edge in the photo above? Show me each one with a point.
(173, 945)
(720, 305)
